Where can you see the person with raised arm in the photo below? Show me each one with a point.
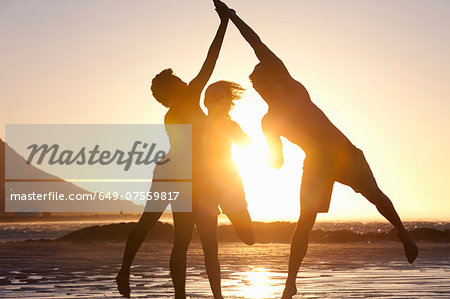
(330, 156)
(183, 101)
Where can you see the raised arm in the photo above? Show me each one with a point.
(199, 82)
(273, 141)
(263, 53)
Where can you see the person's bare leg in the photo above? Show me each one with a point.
(207, 230)
(386, 208)
(299, 246)
(137, 235)
(183, 225)
(315, 194)
(243, 226)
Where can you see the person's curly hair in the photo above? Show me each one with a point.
(161, 85)
(223, 90)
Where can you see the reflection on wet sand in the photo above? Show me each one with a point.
(356, 270)
(260, 283)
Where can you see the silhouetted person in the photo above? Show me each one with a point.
(219, 134)
(183, 101)
(222, 181)
(330, 156)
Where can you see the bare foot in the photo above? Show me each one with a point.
(123, 283)
(409, 245)
(289, 291)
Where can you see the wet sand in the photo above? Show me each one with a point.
(353, 270)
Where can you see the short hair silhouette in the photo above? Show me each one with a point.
(163, 84)
(223, 93)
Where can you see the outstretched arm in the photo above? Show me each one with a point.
(273, 141)
(263, 53)
(199, 82)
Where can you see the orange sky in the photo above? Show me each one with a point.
(378, 69)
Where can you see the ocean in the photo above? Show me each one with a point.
(21, 231)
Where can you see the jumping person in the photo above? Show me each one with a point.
(330, 156)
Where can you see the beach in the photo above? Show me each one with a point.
(50, 269)
(320, 122)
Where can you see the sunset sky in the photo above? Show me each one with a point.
(379, 69)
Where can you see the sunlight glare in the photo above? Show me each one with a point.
(258, 284)
(270, 193)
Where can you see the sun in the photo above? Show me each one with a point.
(271, 194)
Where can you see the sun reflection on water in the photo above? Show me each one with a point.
(259, 283)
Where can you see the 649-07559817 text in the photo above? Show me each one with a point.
(132, 196)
